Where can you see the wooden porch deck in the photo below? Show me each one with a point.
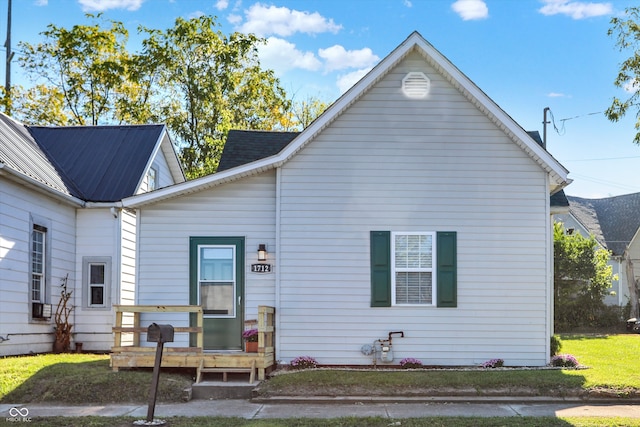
(133, 355)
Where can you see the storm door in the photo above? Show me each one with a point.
(217, 283)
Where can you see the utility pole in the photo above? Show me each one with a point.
(545, 122)
(7, 44)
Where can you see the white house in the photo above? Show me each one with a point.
(614, 222)
(392, 212)
(59, 219)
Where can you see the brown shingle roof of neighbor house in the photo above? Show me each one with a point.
(613, 221)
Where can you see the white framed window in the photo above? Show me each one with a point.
(217, 280)
(413, 259)
(38, 263)
(152, 178)
(96, 281)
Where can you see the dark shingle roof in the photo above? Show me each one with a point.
(99, 163)
(246, 146)
(612, 220)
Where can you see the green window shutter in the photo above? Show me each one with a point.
(380, 268)
(447, 277)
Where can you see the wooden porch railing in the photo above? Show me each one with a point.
(136, 329)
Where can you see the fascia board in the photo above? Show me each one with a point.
(39, 186)
(198, 184)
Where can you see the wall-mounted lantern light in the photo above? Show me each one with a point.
(262, 252)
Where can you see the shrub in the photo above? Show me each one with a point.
(493, 363)
(410, 363)
(564, 360)
(304, 362)
(556, 345)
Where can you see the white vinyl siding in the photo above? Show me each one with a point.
(20, 209)
(391, 163)
(241, 208)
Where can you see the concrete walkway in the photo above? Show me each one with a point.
(340, 407)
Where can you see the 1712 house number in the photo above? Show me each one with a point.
(261, 268)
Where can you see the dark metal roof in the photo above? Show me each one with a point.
(615, 220)
(246, 146)
(99, 163)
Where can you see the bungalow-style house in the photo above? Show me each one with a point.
(614, 222)
(384, 229)
(60, 218)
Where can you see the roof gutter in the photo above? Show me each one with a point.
(39, 186)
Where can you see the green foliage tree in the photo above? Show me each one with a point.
(210, 83)
(305, 111)
(626, 29)
(85, 67)
(582, 279)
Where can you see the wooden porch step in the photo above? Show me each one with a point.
(250, 370)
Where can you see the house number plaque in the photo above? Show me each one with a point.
(261, 268)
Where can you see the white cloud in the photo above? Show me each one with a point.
(41, 2)
(338, 58)
(471, 9)
(575, 9)
(102, 5)
(408, 3)
(280, 55)
(265, 20)
(345, 81)
(632, 86)
(556, 95)
(234, 19)
(222, 4)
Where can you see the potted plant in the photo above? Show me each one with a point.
(62, 340)
(250, 337)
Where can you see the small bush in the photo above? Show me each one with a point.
(304, 362)
(410, 363)
(564, 361)
(556, 345)
(493, 363)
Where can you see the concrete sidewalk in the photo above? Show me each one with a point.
(340, 407)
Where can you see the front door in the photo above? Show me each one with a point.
(217, 283)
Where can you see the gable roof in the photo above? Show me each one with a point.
(23, 159)
(414, 43)
(246, 146)
(84, 163)
(99, 163)
(613, 221)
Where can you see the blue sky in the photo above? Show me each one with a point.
(524, 54)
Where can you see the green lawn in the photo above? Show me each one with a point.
(87, 378)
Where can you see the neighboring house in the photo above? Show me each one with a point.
(614, 222)
(60, 217)
(393, 211)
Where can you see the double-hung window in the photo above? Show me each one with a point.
(413, 259)
(97, 284)
(414, 269)
(38, 263)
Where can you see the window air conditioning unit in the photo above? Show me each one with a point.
(40, 310)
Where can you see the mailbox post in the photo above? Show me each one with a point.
(159, 334)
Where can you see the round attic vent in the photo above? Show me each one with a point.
(416, 85)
